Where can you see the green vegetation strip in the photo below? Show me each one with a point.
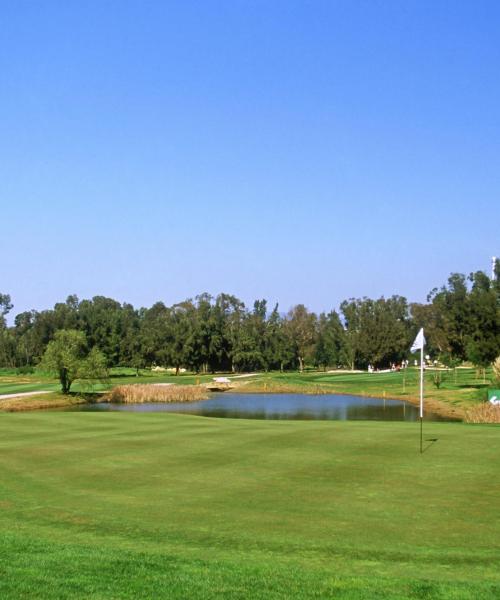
(117, 505)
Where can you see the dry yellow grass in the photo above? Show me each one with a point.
(484, 413)
(156, 393)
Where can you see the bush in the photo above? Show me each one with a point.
(26, 370)
(437, 379)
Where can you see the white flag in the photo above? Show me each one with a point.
(419, 342)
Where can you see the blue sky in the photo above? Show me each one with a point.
(296, 151)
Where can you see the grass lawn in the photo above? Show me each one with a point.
(11, 385)
(136, 505)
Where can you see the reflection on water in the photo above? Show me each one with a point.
(280, 406)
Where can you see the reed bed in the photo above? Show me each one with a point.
(139, 393)
(282, 388)
(484, 413)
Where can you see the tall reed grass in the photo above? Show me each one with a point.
(156, 393)
(484, 413)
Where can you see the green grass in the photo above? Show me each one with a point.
(12, 387)
(463, 382)
(113, 505)
(11, 383)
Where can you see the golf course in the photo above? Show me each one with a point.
(174, 506)
(459, 390)
(250, 300)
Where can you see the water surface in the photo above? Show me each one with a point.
(280, 406)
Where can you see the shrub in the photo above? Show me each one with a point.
(437, 379)
(26, 370)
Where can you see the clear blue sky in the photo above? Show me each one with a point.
(298, 151)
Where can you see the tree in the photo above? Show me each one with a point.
(25, 338)
(248, 345)
(278, 350)
(331, 340)
(225, 324)
(451, 316)
(301, 326)
(131, 338)
(198, 344)
(154, 334)
(5, 307)
(483, 337)
(100, 319)
(7, 341)
(461, 321)
(179, 333)
(66, 355)
(431, 318)
(377, 331)
(8, 347)
(93, 369)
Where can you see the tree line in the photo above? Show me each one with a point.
(208, 334)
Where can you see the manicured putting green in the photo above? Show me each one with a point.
(158, 505)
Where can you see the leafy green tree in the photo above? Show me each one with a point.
(100, 319)
(462, 323)
(248, 346)
(198, 344)
(131, 338)
(330, 340)
(7, 341)
(225, 323)
(179, 335)
(452, 316)
(483, 337)
(460, 320)
(25, 337)
(93, 369)
(301, 327)
(155, 332)
(377, 331)
(5, 307)
(496, 280)
(431, 318)
(65, 356)
(278, 349)
(8, 348)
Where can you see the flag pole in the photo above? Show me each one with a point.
(421, 395)
(419, 344)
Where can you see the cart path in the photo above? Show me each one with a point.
(20, 394)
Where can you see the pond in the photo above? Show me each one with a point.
(280, 406)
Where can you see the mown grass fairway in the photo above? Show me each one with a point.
(158, 505)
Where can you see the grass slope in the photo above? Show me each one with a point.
(159, 505)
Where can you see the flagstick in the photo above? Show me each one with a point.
(421, 394)
(419, 344)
